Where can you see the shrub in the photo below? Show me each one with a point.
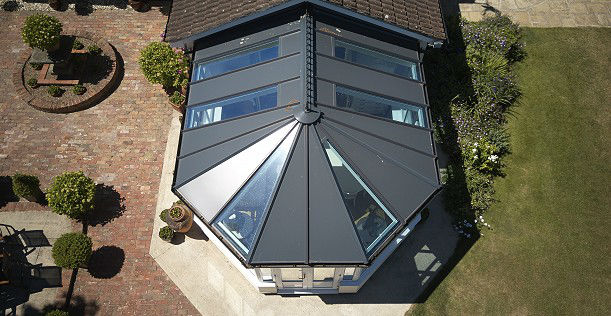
(57, 312)
(71, 194)
(25, 185)
(166, 233)
(495, 33)
(72, 250)
(94, 49)
(177, 98)
(32, 82)
(77, 45)
(36, 66)
(78, 89)
(55, 91)
(163, 215)
(482, 156)
(163, 65)
(41, 31)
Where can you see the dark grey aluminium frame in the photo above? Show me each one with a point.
(297, 47)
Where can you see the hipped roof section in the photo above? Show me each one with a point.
(191, 17)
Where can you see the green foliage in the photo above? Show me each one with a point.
(497, 34)
(166, 233)
(177, 98)
(55, 91)
(163, 65)
(175, 212)
(25, 185)
(482, 156)
(41, 31)
(72, 250)
(36, 66)
(32, 82)
(164, 215)
(78, 89)
(57, 312)
(77, 45)
(71, 194)
(94, 49)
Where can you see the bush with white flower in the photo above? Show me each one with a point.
(482, 156)
(41, 31)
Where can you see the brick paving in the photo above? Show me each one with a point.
(119, 142)
(543, 13)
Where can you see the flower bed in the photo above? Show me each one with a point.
(472, 88)
(97, 81)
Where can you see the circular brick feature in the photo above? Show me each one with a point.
(94, 94)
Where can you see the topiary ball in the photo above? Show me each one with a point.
(25, 185)
(72, 250)
(71, 194)
(41, 31)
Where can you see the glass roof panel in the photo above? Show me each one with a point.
(240, 220)
(379, 106)
(372, 220)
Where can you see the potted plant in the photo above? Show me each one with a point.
(164, 215)
(180, 218)
(72, 250)
(42, 31)
(163, 65)
(166, 233)
(177, 100)
(139, 5)
(71, 194)
(27, 187)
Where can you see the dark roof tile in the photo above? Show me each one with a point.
(190, 17)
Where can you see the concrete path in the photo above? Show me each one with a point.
(46, 225)
(543, 13)
(215, 287)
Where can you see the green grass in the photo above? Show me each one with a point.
(549, 252)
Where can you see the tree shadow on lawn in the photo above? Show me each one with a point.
(106, 262)
(109, 204)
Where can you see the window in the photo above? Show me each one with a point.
(378, 106)
(256, 101)
(242, 217)
(372, 220)
(238, 60)
(376, 60)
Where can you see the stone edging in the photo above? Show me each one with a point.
(93, 95)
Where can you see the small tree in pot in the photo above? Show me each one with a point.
(72, 250)
(42, 31)
(27, 187)
(71, 194)
(166, 233)
(180, 218)
(163, 65)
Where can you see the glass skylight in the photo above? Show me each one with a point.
(235, 61)
(372, 220)
(376, 60)
(240, 220)
(381, 107)
(256, 101)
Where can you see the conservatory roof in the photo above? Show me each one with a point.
(286, 176)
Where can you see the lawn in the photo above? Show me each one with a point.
(549, 252)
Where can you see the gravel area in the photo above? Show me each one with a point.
(86, 6)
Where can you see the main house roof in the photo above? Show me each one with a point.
(190, 17)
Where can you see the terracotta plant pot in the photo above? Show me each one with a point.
(55, 4)
(182, 223)
(178, 107)
(139, 5)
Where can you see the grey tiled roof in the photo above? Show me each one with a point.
(190, 17)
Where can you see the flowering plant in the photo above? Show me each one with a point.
(41, 31)
(482, 156)
(164, 65)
